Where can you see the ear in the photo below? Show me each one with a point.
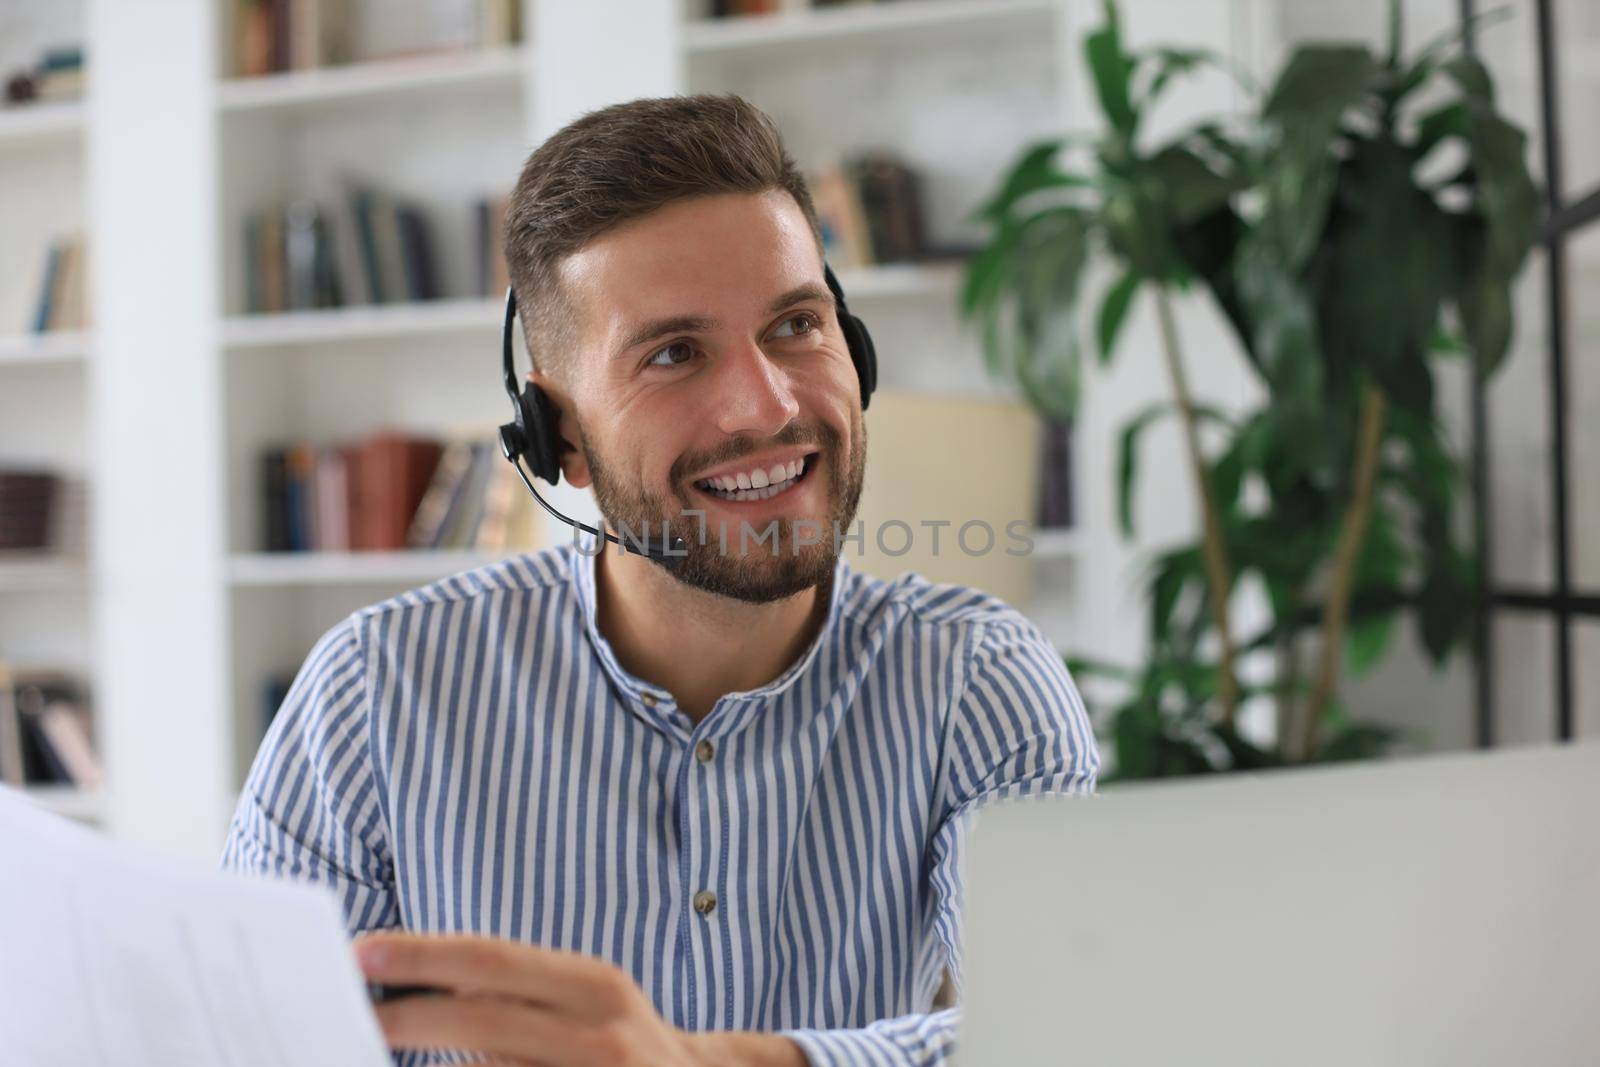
(574, 465)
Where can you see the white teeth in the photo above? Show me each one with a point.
(757, 484)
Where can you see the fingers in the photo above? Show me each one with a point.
(578, 985)
(503, 1029)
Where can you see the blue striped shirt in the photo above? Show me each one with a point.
(471, 757)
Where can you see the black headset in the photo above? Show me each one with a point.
(532, 435)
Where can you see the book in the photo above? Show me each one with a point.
(845, 240)
(301, 465)
(275, 535)
(253, 38)
(392, 476)
(466, 511)
(416, 254)
(349, 252)
(891, 203)
(448, 482)
(300, 254)
(28, 505)
(44, 307)
(331, 492)
(1055, 475)
(44, 729)
(499, 498)
(271, 251)
(11, 765)
(499, 22)
(385, 220)
(489, 214)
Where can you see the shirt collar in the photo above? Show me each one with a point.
(647, 697)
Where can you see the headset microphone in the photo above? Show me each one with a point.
(532, 435)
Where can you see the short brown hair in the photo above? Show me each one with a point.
(621, 163)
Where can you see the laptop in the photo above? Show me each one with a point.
(1441, 910)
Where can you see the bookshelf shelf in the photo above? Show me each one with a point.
(84, 805)
(34, 124)
(371, 322)
(385, 79)
(892, 280)
(1056, 545)
(290, 569)
(56, 346)
(362, 323)
(926, 18)
(30, 572)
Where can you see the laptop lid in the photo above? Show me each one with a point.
(1443, 910)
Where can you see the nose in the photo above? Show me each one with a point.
(755, 396)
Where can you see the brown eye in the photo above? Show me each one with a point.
(655, 358)
(806, 318)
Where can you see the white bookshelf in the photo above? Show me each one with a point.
(388, 82)
(363, 323)
(82, 805)
(1058, 544)
(24, 127)
(61, 347)
(47, 596)
(194, 616)
(39, 572)
(929, 22)
(284, 570)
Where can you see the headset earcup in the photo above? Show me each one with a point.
(540, 423)
(863, 354)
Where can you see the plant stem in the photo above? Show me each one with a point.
(1214, 549)
(1288, 672)
(1336, 608)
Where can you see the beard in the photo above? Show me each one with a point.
(718, 561)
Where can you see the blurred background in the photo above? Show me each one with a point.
(1146, 277)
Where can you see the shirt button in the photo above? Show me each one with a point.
(704, 751)
(649, 700)
(705, 901)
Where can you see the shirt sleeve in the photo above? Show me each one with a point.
(1019, 728)
(310, 810)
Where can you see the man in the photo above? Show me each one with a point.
(706, 814)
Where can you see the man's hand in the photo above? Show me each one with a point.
(525, 1004)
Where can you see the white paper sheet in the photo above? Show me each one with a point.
(110, 957)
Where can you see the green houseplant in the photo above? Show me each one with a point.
(1367, 222)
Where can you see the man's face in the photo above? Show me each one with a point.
(713, 377)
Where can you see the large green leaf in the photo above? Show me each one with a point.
(1034, 172)
(1388, 270)
(1155, 68)
(989, 270)
(1450, 120)
(1112, 70)
(1366, 642)
(1190, 189)
(1321, 80)
(1432, 54)
(1473, 77)
(1507, 196)
(1279, 310)
(1113, 310)
(1136, 231)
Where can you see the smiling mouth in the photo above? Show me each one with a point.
(733, 488)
